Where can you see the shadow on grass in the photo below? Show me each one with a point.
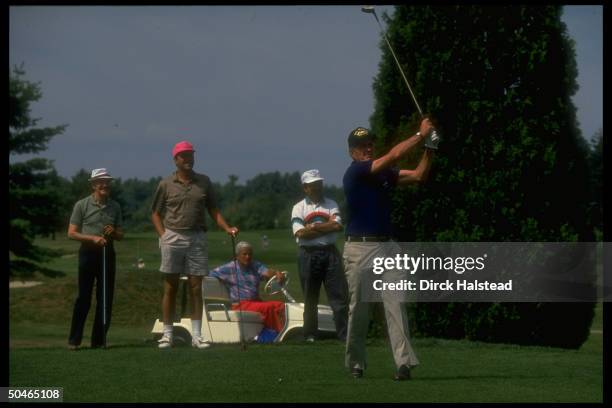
(82, 348)
(476, 377)
(119, 347)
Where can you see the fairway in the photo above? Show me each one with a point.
(132, 369)
(450, 371)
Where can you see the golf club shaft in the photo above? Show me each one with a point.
(398, 63)
(240, 328)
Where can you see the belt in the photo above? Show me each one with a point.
(318, 247)
(371, 238)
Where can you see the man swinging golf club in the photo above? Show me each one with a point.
(368, 183)
(95, 222)
(178, 214)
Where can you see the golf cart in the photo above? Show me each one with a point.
(220, 324)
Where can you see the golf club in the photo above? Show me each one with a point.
(240, 328)
(370, 10)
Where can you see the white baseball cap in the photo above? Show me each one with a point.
(310, 176)
(100, 174)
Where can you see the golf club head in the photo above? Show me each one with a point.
(368, 9)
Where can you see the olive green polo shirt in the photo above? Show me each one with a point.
(91, 216)
(183, 206)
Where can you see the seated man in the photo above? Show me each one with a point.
(250, 274)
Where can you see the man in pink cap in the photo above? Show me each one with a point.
(179, 216)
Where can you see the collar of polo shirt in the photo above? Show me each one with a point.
(309, 201)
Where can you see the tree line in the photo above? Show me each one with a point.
(262, 202)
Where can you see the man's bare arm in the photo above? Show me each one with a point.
(73, 233)
(419, 174)
(401, 149)
(316, 230)
(157, 223)
(215, 214)
(396, 153)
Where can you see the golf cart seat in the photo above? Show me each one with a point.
(221, 324)
(227, 315)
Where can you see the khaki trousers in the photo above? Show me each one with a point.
(357, 257)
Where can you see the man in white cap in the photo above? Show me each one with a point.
(316, 221)
(95, 222)
(179, 211)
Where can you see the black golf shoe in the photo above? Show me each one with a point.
(357, 372)
(402, 374)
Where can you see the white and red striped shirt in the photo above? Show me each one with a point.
(307, 212)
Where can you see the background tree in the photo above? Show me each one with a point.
(135, 197)
(596, 204)
(512, 165)
(35, 201)
(266, 200)
(263, 202)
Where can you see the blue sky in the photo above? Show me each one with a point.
(254, 88)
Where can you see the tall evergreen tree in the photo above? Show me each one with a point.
(512, 165)
(35, 201)
(596, 161)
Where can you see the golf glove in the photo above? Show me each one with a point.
(432, 140)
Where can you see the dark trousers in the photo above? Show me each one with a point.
(323, 265)
(90, 270)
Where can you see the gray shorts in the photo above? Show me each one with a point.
(184, 252)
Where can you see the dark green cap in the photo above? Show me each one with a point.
(359, 136)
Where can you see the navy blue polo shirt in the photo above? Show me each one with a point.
(368, 199)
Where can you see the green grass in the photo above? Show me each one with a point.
(450, 371)
(133, 370)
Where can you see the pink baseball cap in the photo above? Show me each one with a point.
(182, 147)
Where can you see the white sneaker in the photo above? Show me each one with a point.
(199, 343)
(164, 342)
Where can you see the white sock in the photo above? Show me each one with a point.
(196, 328)
(168, 328)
